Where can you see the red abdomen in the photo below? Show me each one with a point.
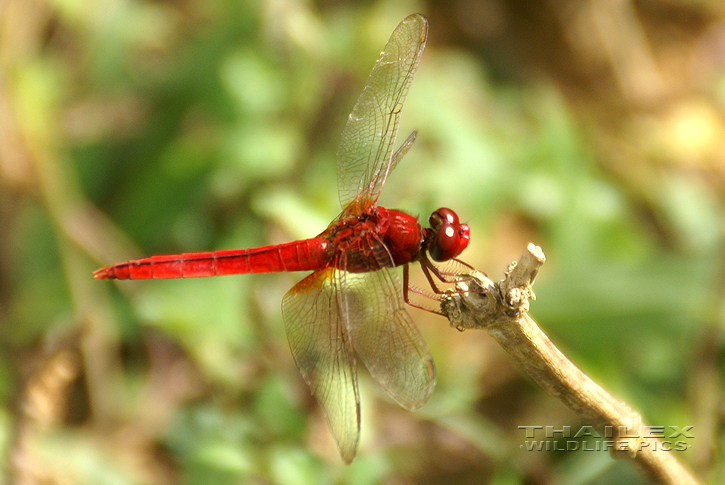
(308, 254)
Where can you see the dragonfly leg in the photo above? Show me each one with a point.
(448, 277)
(427, 268)
(444, 276)
(430, 270)
(407, 289)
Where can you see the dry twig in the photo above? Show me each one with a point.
(502, 309)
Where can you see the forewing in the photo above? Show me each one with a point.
(385, 338)
(324, 354)
(364, 153)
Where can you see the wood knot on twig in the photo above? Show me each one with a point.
(628, 439)
(478, 302)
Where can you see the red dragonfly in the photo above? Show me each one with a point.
(352, 303)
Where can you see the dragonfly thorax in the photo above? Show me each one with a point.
(375, 239)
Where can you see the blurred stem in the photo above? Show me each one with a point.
(706, 379)
(502, 309)
(31, 92)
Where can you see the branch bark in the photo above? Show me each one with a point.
(502, 309)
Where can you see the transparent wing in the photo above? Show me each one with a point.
(364, 154)
(385, 338)
(402, 150)
(323, 352)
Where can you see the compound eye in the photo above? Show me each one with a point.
(442, 216)
(451, 238)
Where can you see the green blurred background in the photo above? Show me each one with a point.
(130, 128)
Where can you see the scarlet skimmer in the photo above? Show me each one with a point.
(352, 304)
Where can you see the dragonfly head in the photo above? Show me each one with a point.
(448, 237)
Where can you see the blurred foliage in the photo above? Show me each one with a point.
(130, 127)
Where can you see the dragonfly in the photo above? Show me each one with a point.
(352, 305)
